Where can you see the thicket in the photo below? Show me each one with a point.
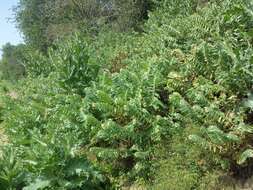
(11, 63)
(43, 22)
(169, 108)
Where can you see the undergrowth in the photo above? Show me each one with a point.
(169, 108)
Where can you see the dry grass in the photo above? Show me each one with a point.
(134, 187)
(3, 139)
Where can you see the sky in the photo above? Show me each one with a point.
(8, 31)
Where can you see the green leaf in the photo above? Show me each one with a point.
(249, 101)
(197, 139)
(244, 156)
(216, 135)
(141, 155)
(232, 137)
(243, 128)
(38, 184)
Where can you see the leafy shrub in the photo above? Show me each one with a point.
(43, 154)
(75, 64)
(11, 64)
(108, 105)
(37, 64)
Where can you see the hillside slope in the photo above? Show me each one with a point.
(170, 108)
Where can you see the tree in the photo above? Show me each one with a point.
(32, 19)
(44, 21)
(11, 63)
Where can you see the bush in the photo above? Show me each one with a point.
(113, 105)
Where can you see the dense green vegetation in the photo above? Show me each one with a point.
(42, 22)
(167, 107)
(11, 62)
